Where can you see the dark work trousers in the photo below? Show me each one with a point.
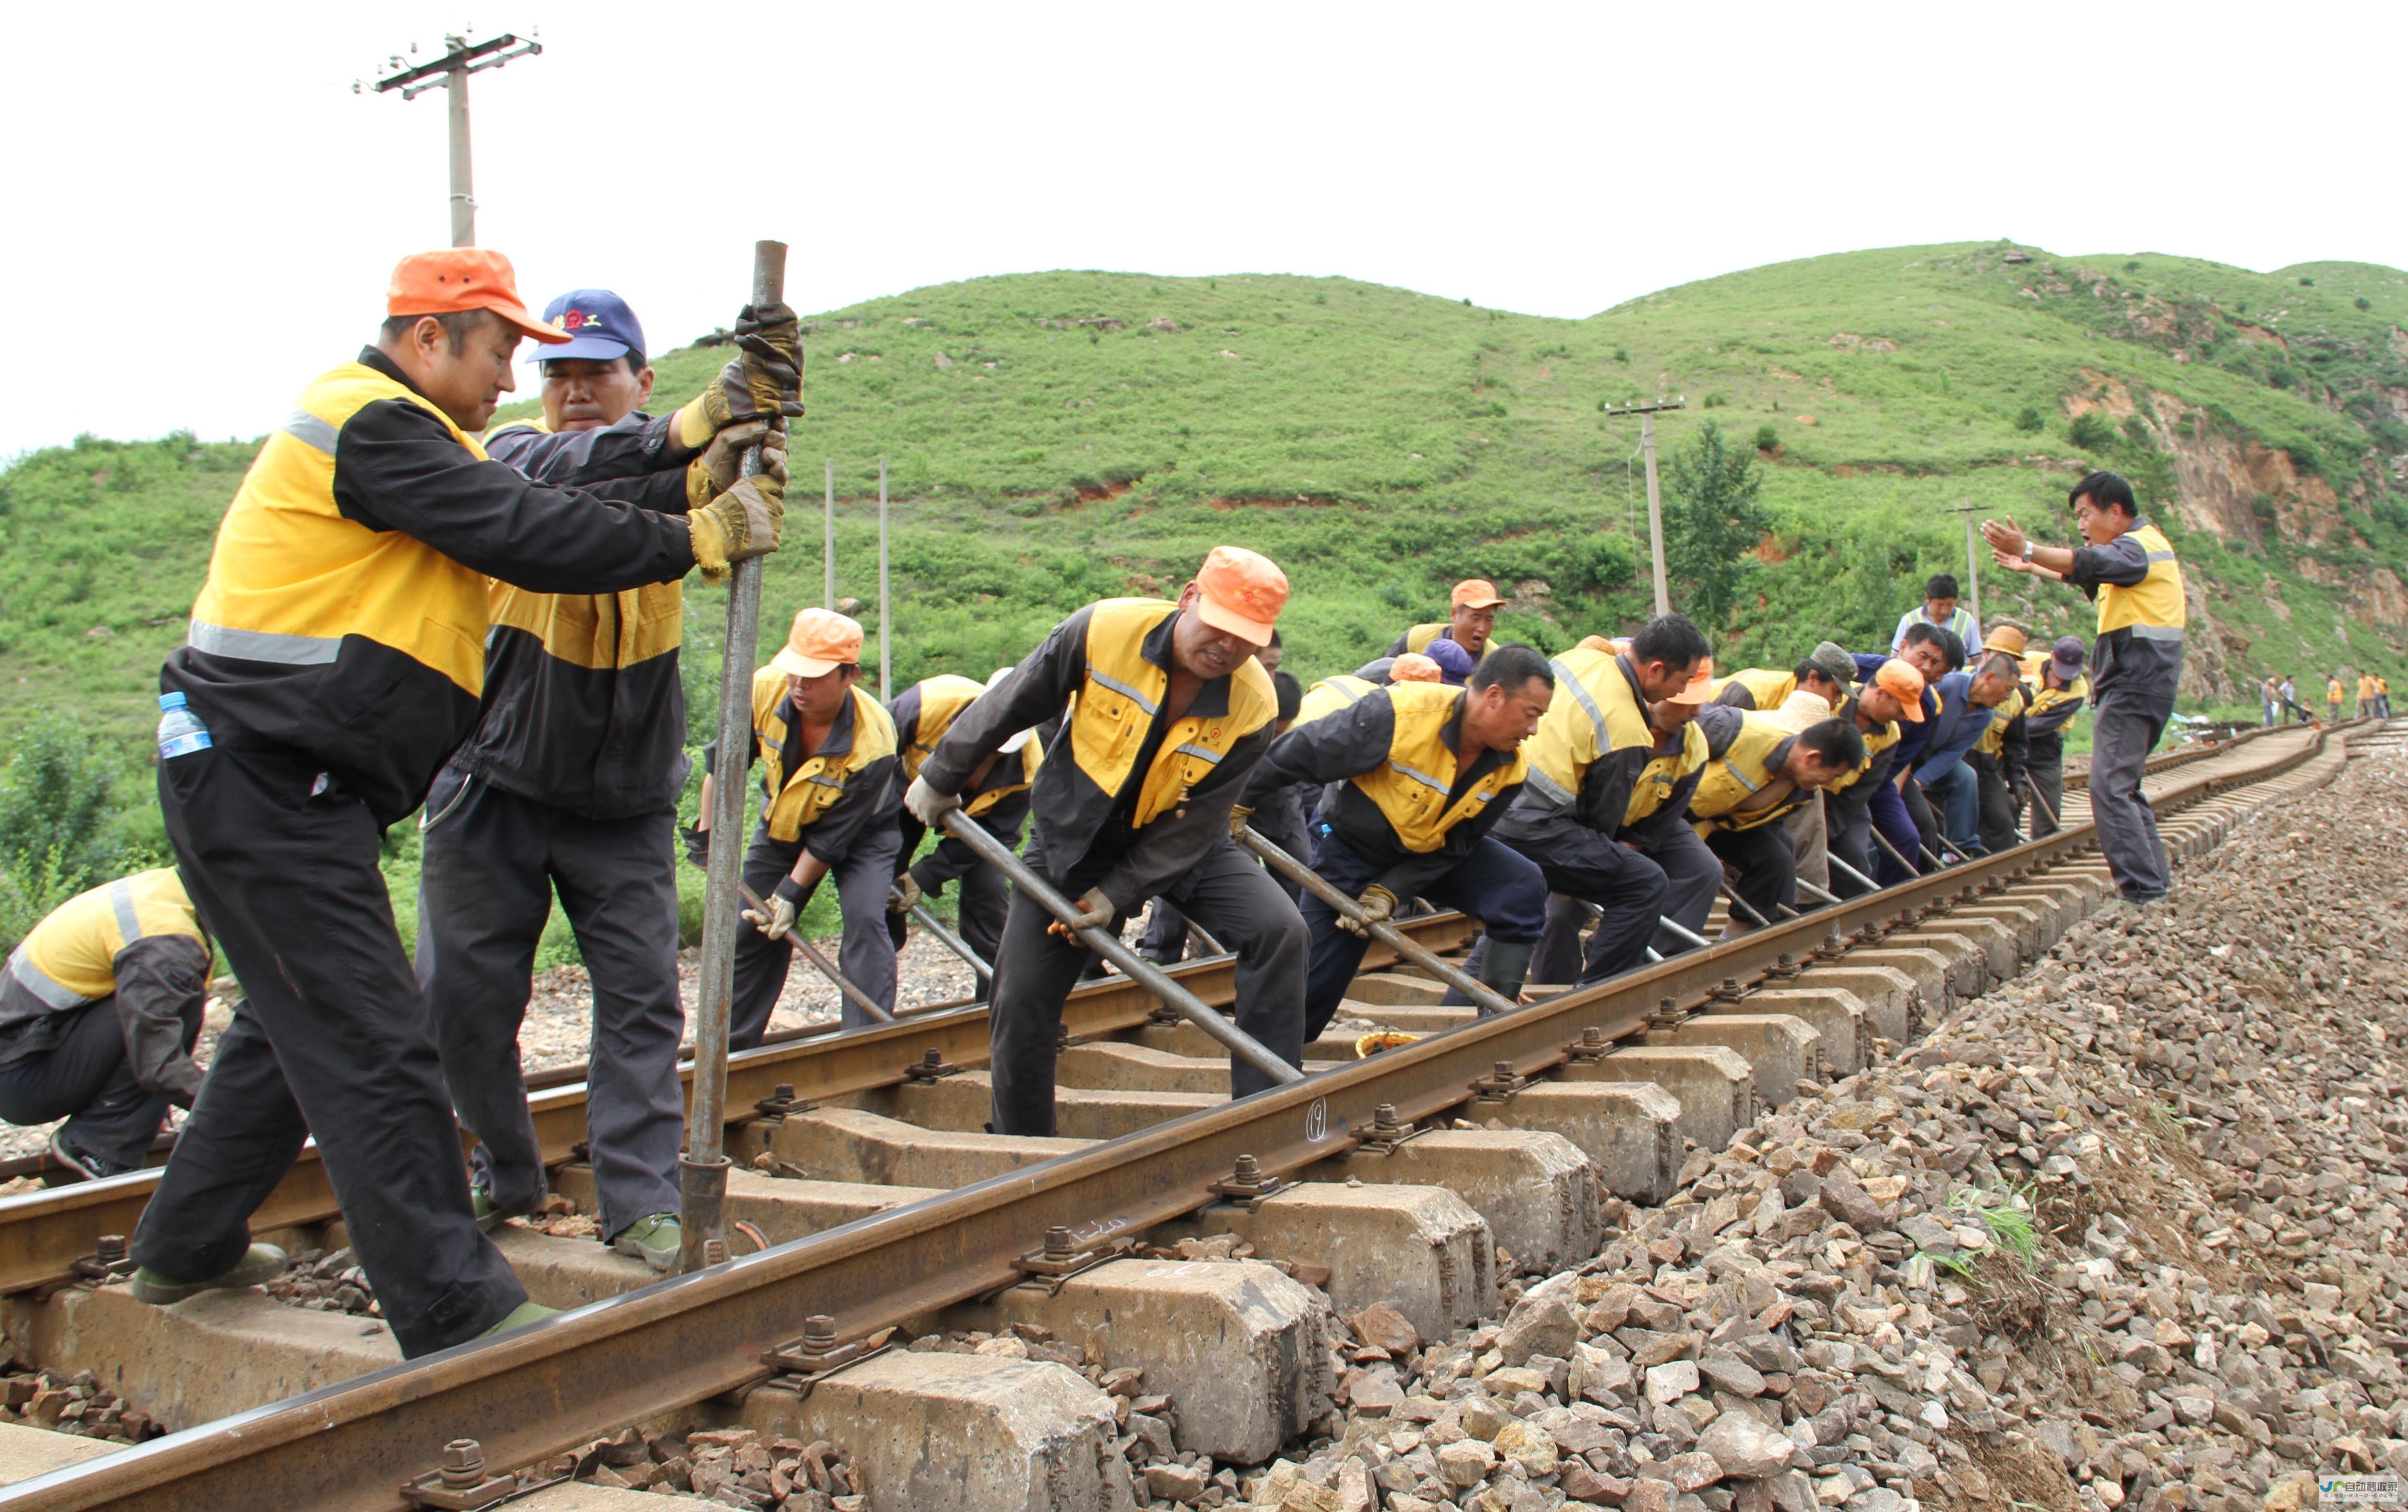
(1692, 875)
(1226, 892)
(331, 1042)
(1894, 821)
(85, 1079)
(1593, 867)
(1767, 867)
(1282, 823)
(2123, 732)
(491, 861)
(1167, 932)
(1494, 884)
(1848, 812)
(1926, 826)
(1996, 803)
(2047, 773)
(1955, 796)
(984, 893)
(863, 880)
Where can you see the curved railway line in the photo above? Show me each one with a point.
(1380, 1179)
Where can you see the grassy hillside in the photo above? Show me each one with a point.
(1054, 437)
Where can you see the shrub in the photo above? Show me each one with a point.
(2131, 264)
(2363, 302)
(2091, 432)
(1712, 524)
(1767, 438)
(2307, 282)
(1621, 354)
(2282, 377)
(56, 804)
(1717, 401)
(2031, 420)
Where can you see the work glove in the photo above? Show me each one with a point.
(698, 846)
(1096, 912)
(771, 338)
(722, 461)
(739, 525)
(1376, 903)
(905, 897)
(778, 920)
(1238, 816)
(927, 804)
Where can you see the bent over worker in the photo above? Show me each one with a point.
(99, 1014)
(570, 784)
(996, 796)
(1133, 802)
(2059, 697)
(1754, 776)
(1598, 764)
(1426, 772)
(1890, 699)
(334, 659)
(828, 800)
(2128, 566)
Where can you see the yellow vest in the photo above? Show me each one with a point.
(1875, 743)
(1419, 637)
(1994, 740)
(1411, 786)
(290, 577)
(1329, 695)
(2049, 698)
(1770, 687)
(69, 960)
(599, 631)
(1659, 776)
(2151, 608)
(796, 799)
(1737, 775)
(1115, 704)
(943, 698)
(1593, 712)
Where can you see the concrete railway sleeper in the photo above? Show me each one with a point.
(1407, 1179)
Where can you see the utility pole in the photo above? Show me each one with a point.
(885, 605)
(827, 555)
(1972, 563)
(450, 73)
(1646, 413)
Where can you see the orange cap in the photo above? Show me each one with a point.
(822, 641)
(1240, 592)
(2007, 638)
(1413, 667)
(1901, 681)
(462, 278)
(1475, 592)
(1700, 686)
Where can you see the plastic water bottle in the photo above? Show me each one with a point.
(180, 731)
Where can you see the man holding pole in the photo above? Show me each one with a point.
(2059, 696)
(1133, 802)
(2128, 566)
(1889, 700)
(334, 659)
(1752, 782)
(996, 796)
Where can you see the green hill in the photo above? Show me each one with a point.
(1054, 437)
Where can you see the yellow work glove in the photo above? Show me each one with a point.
(739, 525)
(1376, 903)
(1238, 816)
(905, 896)
(763, 382)
(722, 461)
(1096, 912)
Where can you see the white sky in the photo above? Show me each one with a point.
(203, 214)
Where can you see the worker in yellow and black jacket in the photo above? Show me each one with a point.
(1756, 773)
(1599, 764)
(2057, 695)
(996, 796)
(99, 1009)
(1426, 772)
(828, 755)
(1998, 756)
(1165, 712)
(1471, 622)
(1890, 697)
(2128, 567)
(570, 785)
(334, 659)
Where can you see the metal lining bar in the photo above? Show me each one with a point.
(1486, 998)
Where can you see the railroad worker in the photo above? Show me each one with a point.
(2128, 565)
(1472, 619)
(1969, 703)
(1426, 771)
(1599, 763)
(1828, 672)
(1889, 700)
(2057, 698)
(2268, 695)
(995, 795)
(1755, 774)
(335, 660)
(1278, 819)
(1133, 802)
(2290, 700)
(2365, 695)
(827, 750)
(1817, 687)
(2383, 696)
(569, 783)
(1900, 815)
(99, 1014)
(1997, 759)
(1939, 610)
(2332, 699)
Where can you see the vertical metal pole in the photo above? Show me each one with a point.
(885, 607)
(702, 1174)
(828, 551)
(463, 196)
(1972, 574)
(1654, 511)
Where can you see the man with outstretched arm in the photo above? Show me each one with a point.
(1133, 802)
(2128, 566)
(333, 662)
(1425, 771)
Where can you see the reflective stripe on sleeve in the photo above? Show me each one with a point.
(120, 899)
(33, 979)
(262, 645)
(309, 431)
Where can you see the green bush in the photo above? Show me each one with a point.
(57, 801)
(1767, 438)
(2363, 302)
(2031, 420)
(2091, 432)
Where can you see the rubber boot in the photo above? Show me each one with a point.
(260, 1263)
(1506, 966)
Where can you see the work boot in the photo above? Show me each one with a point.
(260, 1263)
(489, 1217)
(1503, 972)
(82, 1161)
(520, 1317)
(654, 1240)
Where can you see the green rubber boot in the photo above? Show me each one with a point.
(260, 1263)
(654, 1240)
(520, 1317)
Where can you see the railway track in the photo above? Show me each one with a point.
(887, 1207)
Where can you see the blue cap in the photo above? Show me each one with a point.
(600, 327)
(1454, 664)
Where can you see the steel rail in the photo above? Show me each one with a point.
(547, 1388)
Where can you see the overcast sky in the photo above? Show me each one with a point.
(203, 214)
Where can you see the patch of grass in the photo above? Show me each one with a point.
(2007, 1215)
